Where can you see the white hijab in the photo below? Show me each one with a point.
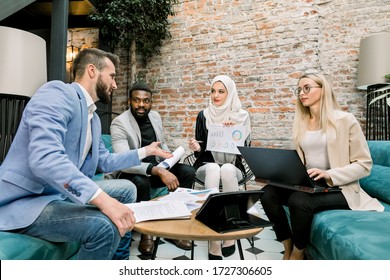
(229, 111)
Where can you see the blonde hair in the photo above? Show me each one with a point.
(328, 104)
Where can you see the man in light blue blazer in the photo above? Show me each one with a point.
(46, 188)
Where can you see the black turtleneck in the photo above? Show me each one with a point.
(148, 136)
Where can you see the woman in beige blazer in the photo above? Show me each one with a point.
(332, 146)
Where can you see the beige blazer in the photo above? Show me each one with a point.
(350, 160)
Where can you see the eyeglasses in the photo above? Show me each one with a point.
(138, 101)
(305, 89)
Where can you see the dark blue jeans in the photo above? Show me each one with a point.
(65, 221)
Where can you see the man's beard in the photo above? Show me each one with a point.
(102, 92)
(138, 116)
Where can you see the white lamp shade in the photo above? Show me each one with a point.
(374, 60)
(22, 62)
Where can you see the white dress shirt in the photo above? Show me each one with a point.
(88, 141)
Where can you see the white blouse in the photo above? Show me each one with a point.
(315, 149)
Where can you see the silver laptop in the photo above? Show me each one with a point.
(282, 168)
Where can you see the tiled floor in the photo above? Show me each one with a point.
(265, 248)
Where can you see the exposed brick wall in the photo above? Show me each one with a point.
(264, 46)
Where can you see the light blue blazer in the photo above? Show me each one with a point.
(44, 162)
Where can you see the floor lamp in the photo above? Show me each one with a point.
(374, 64)
(22, 71)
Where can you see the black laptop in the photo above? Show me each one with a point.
(228, 211)
(282, 168)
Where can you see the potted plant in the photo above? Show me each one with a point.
(139, 26)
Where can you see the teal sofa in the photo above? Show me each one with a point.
(14, 246)
(357, 235)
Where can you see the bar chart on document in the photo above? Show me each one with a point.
(225, 139)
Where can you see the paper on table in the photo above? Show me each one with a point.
(253, 211)
(204, 194)
(193, 205)
(169, 162)
(180, 196)
(189, 195)
(159, 210)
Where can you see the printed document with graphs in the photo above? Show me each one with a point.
(225, 138)
(159, 210)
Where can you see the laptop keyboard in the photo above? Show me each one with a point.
(306, 189)
(320, 183)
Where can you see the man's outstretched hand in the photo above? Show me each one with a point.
(155, 150)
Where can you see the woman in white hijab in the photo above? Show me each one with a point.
(218, 167)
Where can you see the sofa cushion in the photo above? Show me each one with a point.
(107, 142)
(15, 246)
(349, 235)
(157, 192)
(380, 152)
(377, 184)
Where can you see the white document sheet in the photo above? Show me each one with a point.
(189, 195)
(159, 210)
(179, 196)
(225, 139)
(169, 162)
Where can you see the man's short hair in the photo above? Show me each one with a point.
(140, 86)
(93, 56)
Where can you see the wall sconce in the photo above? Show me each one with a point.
(374, 60)
(71, 53)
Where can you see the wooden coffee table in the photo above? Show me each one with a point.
(190, 229)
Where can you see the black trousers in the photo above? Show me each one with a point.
(185, 174)
(302, 207)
